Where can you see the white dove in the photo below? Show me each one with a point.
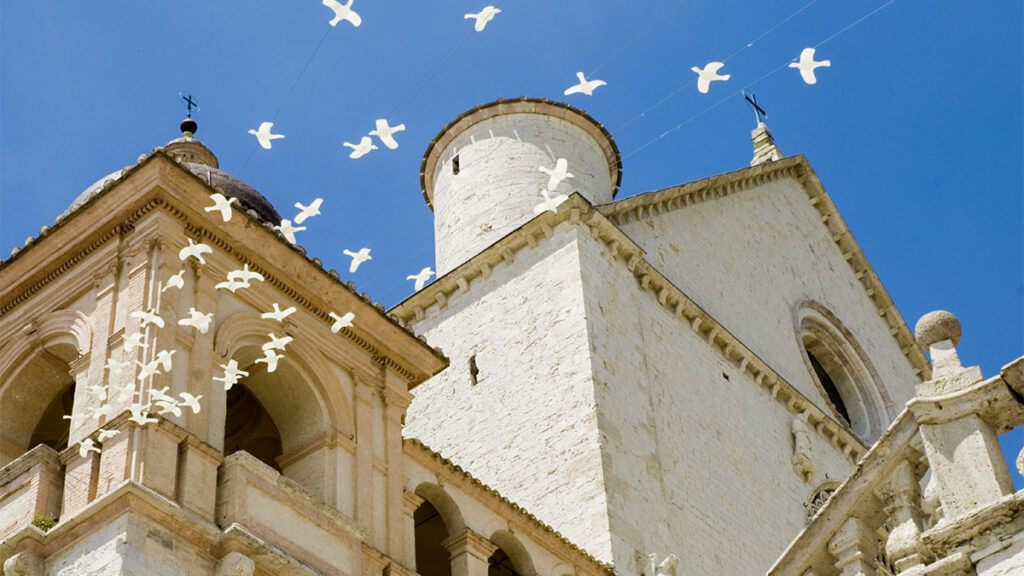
(168, 407)
(190, 401)
(362, 149)
(194, 250)
(559, 173)
(99, 391)
(148, 317)
(133, 342)
(482, 17)
(585, 86)
(75, 418)
(245, 275)
(277, 343)
(264, 137)
(105, 410)
(341, 321)
(270, 358)
(231, 374)
(86, 446)
(176, 281)
(806, 65)
(116, 366)
(278, 314)
(106, 434)
(197, 320)
(550, 203)
(357, 258)
(421, 278)
(232, 285)
(384, 132)
(148, 369)
(343, 12)
(125, 393)
(140, 415)
(708, 75)
(308, 211)
(160, 395)
(286, 229)
(221, 204)
(164, 357)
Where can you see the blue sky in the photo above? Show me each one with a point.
(915, 130)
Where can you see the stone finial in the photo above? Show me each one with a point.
(937, 326)
(765, 149)
(188, 149)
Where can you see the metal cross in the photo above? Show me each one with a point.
(759, 114)
(189, 103)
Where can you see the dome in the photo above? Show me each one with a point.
(228, 185)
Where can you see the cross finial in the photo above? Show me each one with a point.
(190, 103)
(759, 114)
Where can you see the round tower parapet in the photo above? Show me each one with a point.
(481, 175)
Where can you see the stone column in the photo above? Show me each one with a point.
(902, 496)
(962, 447)
(469, 553)
(854, 547)
(364, 390)
(396, 400)
(411, 502)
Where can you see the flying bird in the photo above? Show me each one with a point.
(148, 369)
(287, 230)
(116, 366)
(556, 175)
(168, 407)
(278, 314)
(197, 320)
(421, 278)
(342, 12)
(222, 204)
(277, 343)
(245, 275)
(133, 342)
(708, 75)
(148, 317)
(194, 250)
(550, 203)
(232, 285)
(176, 281)
(140, 415)
(585, 86)
(307, 211)
(270, 358)
(341, 321)
(99, 391)
(106, 434)
(807, 64)
(86, 446)
(231, 374)
(190, 401)
(384, 132)
(357, 258)
(482, 17)
(362, 149)
(264, 137)
(164, 358)
(107, 410)
(125, 393)
(160, 395)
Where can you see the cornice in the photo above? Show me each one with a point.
(799, 169)
(577, 211)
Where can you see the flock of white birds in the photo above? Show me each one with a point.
(162, 360)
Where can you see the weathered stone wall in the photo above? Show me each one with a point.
(750, 257)
(696, 456)
(499, 180)
(528, 427)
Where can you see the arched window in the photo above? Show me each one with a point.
(431, 557)
(510, 558)
(53, 429)
(849, 387)
(249, 427)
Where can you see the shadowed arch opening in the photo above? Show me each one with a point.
(34, 399)
(249, 427)
(432, 559)
(510, 558)
(847, 382)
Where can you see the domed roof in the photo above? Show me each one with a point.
(228, 185)
(201, 162)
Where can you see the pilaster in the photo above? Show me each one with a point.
(854, 548)
(469, 553)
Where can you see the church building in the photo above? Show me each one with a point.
(705, 379)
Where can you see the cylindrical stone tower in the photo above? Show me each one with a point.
(481, 174)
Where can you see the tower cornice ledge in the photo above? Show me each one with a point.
(577, 211)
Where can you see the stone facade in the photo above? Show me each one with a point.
(675, 383)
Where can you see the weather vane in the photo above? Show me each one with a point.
(759, 114)
(189, 103)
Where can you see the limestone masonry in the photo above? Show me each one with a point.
(706, 379)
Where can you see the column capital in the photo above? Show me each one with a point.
(411, 501)
(468, 541)
(854, 547)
